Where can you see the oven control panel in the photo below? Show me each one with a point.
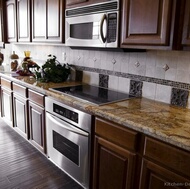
(64, 112)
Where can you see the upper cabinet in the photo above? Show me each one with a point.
(146, 23)
(23, 15)
(11, 21)
(48, 21)
(1, 24)
(155, 24)
(186, 25)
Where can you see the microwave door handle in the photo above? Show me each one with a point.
(104, 18)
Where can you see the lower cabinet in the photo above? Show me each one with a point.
(154, 176)
(114, 157)
(37, 119)
(20, 110)
(6, 101)
(126, 159)
(164, 166)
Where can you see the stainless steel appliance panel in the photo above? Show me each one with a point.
(69, 140)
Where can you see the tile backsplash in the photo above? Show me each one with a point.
(159, 71)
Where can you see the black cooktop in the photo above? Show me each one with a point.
(94, 94)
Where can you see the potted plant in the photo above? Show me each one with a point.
(53, 71)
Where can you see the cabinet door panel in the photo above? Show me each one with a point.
(36, 120)
(39, 20)
(20, 115)
(53, 18)
(186, 27)
(156, 177)
(6, 105)
(23, 12)
(113, 166)
(146, 22)
(11, 21)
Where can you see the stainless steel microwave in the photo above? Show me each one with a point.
(93, 25)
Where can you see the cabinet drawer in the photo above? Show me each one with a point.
(6, 83)
(174, 158)
(114, 133)
(36, 97)
(19, 89)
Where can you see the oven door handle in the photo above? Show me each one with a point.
(66, 126)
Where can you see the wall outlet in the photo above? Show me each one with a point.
(64, 57)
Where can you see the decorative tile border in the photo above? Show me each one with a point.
(136, 77)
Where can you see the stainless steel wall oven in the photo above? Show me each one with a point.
(68, 135)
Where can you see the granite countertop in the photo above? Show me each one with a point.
(159, 120)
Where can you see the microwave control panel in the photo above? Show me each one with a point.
(112, 28)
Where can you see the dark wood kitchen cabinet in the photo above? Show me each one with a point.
(48, 21)
(37, 119)
(186, 26)
(6, 101)
(20, 110)
(164, 165)
(23, 20)
(114, 156)
(11, 20)
(2, 22)
(147, 24)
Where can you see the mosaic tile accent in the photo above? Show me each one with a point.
(103, 80)
(136, 88)
(175, 84)
(179, 97)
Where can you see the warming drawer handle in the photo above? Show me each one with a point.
(66, 125)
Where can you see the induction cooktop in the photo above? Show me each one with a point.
(93, 94)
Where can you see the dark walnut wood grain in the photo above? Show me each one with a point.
(121, 136)
(36, 97)
(19, 89)
(37, 119)
(114, 156)
(157, 177)
(23, 20)
(20, 112)
(5, 83)
(169, 156)
(37, 126)
(146, 23)
(186, 25)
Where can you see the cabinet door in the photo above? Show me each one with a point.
(114, 167)
(1, 24)
(20, 115)
(36, 122)
(11, 21)
(156, 177)
(47, 21)
(146, 23)
(23, 15)
(186, 26)
(38, 20)
(6, 106)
